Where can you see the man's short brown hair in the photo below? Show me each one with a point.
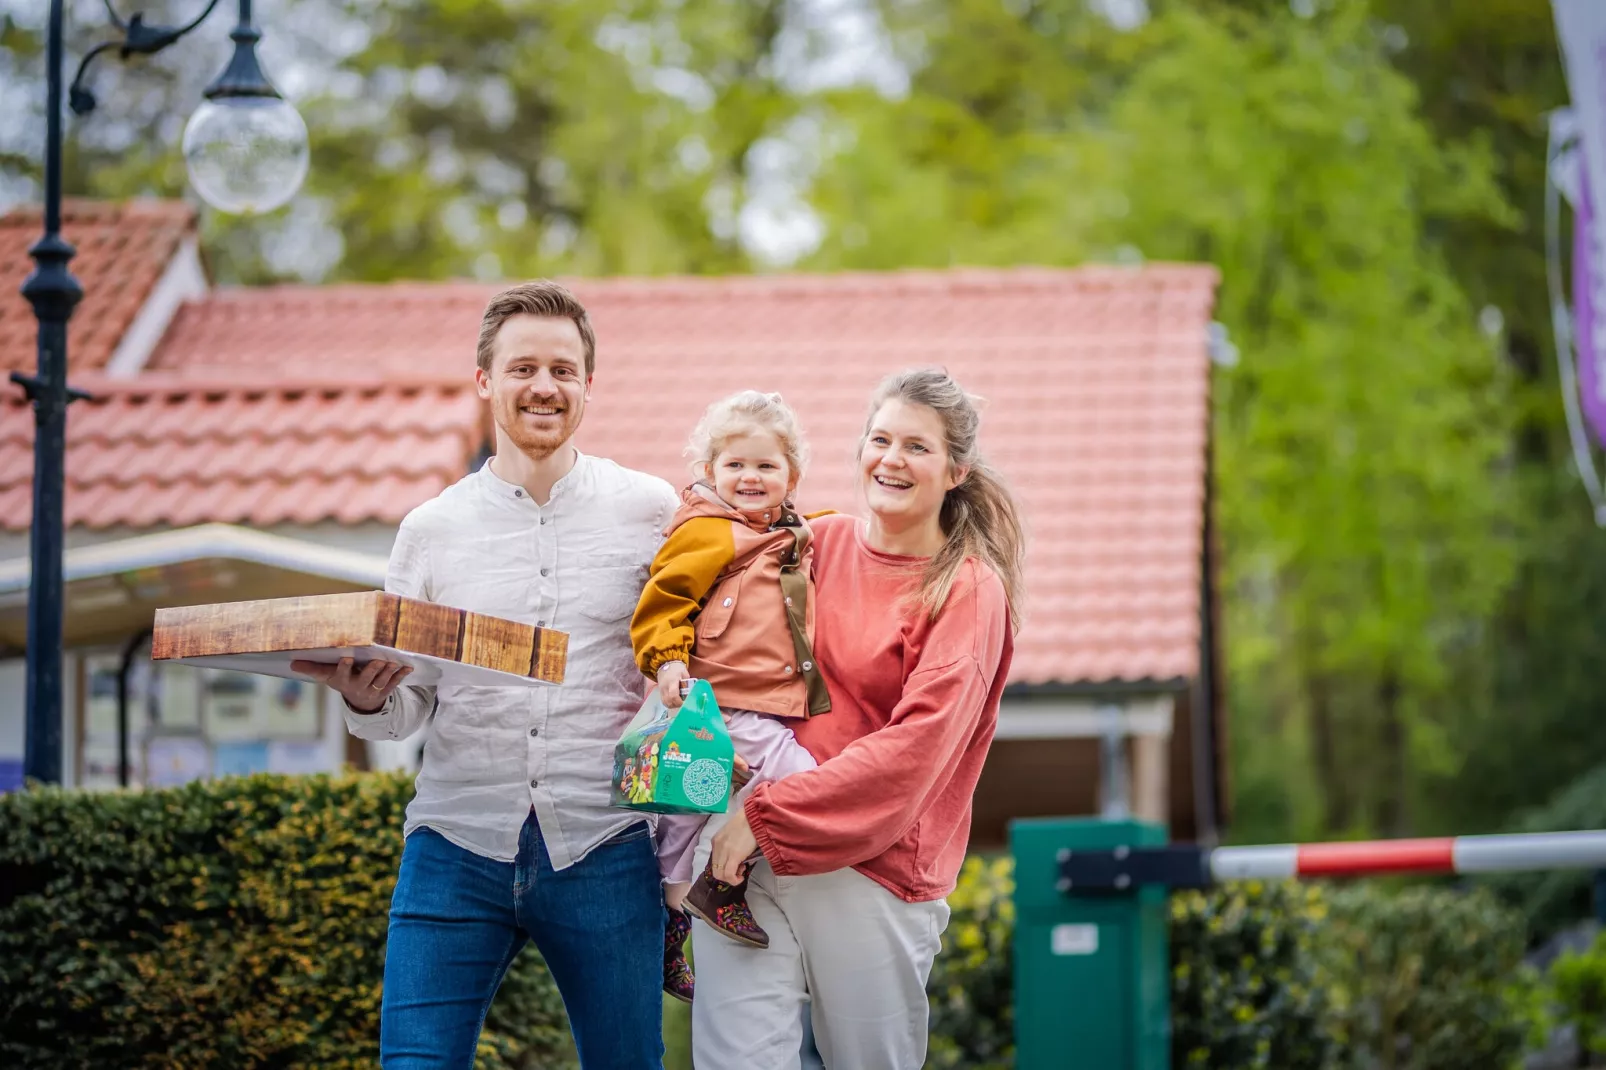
(543, 297)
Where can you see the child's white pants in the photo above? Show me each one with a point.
(771, 752)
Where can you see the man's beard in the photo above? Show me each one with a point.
(538, 443)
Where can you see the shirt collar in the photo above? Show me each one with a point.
(501, 488)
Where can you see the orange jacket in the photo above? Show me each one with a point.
(724, 597)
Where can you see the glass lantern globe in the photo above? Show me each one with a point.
(246, 154)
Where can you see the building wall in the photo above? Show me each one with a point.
(13, 719)
(1033, 778)
(1044, 763)
(13, 682)
(368, 538)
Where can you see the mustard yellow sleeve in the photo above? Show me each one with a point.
(683, 572)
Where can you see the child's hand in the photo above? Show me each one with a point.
(671, 674)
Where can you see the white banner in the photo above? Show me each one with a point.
(1581, 27)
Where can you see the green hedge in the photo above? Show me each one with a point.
(1278, 976)
(1578, 990)
(1247, 990)
(241, 923)
(236, 923)
(971, 989)
(1427, 977)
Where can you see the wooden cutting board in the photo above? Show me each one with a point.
(442, 644)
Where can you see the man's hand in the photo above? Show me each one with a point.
(365, 689)
(671, 674)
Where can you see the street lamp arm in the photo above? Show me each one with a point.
(140, 38)
(116, 19)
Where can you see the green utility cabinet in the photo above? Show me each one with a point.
(1092, 984)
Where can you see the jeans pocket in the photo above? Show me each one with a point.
(629, 834)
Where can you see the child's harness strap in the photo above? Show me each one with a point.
(795, 595)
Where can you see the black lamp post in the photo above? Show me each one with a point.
(246, 151)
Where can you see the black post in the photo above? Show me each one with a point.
(123, 728)
(53, 292)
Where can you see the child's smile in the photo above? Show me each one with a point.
(751, 472)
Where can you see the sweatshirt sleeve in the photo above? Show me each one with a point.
(858, 804)
(683, 572)
(410, 705)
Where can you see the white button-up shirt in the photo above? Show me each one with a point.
(576, 564)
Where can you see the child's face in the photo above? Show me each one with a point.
(751, 472)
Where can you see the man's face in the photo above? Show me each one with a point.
(537, 384)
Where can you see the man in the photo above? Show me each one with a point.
(510, 836)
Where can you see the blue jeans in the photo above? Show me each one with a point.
(457, 919)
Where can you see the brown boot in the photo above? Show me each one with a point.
(678, 979)
(724, 906)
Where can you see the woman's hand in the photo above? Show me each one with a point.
(671, 674)
(732, 847)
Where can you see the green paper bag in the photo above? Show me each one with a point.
(675, 761)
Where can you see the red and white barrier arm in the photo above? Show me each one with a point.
(1450, 854)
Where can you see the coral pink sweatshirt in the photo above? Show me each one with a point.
(913, 706)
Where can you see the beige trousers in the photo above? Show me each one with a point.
(841, 945)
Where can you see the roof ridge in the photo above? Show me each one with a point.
(93, 210)
(1017, 278)
(150, 384)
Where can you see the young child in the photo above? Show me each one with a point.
(730, 601)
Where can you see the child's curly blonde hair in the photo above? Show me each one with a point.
(743, 413)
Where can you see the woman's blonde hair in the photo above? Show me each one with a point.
(979, 517)
(743, 413)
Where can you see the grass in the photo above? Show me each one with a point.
(677, 1035)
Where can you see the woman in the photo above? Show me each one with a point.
(915, 617)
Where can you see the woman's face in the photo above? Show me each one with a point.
(904, 465)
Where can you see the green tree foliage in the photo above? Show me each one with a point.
(1492, 70)
(509, 139)
(1361, 443)
(456, 137)
(1413, 584)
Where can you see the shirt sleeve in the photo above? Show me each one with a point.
(410, 705)
(683, 572)
(858, 804)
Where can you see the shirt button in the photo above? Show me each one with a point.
(518, 494)
(543, 520)
(535, 731)
(789, 601)
(544, 572)
(727, 602)
(540, 624)
(534, 783)
(807, 665)
(789, 670)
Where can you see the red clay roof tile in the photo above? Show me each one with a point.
(151, 451)
(1096, 383)
(122, 251)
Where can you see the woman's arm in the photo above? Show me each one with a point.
(868, 797)
(683, 572)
